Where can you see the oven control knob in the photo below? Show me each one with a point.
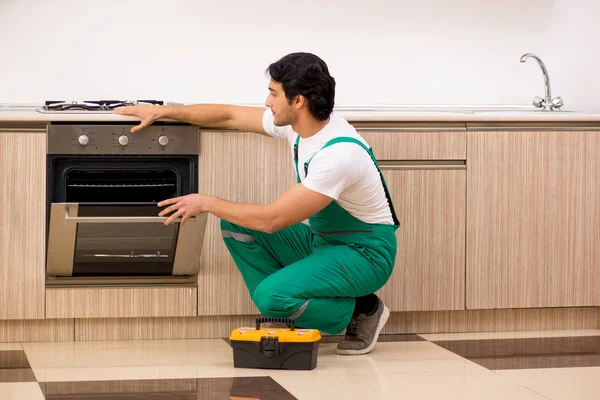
(83, 140)
(123, 140)
(163, 140)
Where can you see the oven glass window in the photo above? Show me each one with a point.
(132, 249)
(132, 186)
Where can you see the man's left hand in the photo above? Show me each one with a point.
(184, 207)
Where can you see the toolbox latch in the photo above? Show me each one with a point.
(269, 346)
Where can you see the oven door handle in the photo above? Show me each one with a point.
(110, 220)
(104, 220)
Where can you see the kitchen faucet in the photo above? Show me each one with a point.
(548, 103)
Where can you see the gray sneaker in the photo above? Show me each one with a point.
(363, 331)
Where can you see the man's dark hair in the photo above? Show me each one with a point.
(307, 75)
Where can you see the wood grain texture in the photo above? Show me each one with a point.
(160, 328)
(240, 167)
(121, 302)
(407, 145)
(429, 272)
(492, 320)
(399, 322)
(22, 224)
(533, 219)
(40, 330)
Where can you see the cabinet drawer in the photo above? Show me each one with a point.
(415, 142)
(107, 302)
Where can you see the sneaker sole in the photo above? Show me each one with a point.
(382, 321)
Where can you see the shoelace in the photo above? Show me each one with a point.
(352, 329)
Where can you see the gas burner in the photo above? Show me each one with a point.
(93, 105)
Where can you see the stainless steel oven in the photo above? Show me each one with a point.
(104, 184)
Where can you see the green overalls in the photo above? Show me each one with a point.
(313, 274)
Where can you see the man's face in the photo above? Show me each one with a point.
(283, 112)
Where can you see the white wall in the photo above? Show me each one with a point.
(379, 51)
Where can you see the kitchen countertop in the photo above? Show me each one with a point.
(478, 113)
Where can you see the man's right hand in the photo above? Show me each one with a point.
(242, 118)
(147, 113)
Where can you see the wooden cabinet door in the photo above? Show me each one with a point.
(430, 262)
(533, 219)
(242, 167)
(22, 224)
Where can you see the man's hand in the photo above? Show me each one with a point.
(186, 206)
(147, 113)
(295, 205)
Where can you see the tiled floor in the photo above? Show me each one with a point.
(518, 365)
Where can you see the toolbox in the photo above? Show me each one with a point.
(275, 347)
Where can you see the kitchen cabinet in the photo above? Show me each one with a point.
(533, 219)
(426, 175)
(429, 197)
(22, 216)
(240, 167)
(121, 302)
(429, 272)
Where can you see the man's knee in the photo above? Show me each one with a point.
(268, 300)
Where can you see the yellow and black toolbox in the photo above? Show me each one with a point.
(275, 347)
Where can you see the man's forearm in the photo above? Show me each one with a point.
(207, 115)
(251, 216)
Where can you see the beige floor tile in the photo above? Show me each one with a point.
(135, 353)
(21, 391)
(120, 344)
(559, 383)
(508, 335)
(10, 347)
(77, 361)
(392, 357)
(466, 384)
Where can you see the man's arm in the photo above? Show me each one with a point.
(248, 119)
(295, 205)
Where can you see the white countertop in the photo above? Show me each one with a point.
(20, 113)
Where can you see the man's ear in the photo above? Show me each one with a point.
(299, 101)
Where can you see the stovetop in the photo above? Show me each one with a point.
(90, 106)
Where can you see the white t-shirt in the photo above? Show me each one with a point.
(343, 171)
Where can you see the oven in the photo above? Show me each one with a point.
(103, 186)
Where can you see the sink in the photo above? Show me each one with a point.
(445, 108)
(528, 112)
(482, 110)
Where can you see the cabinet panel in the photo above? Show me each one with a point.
(417, 145)
(430, 262)
(240, 167)
(533, 221)
(121, 302)
(22, 216)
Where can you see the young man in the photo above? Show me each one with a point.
(324, 275)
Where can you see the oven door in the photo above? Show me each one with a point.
(121, 243)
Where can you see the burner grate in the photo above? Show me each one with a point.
(94, 105)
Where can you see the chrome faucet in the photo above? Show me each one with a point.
(547, 103)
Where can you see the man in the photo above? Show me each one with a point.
(324, 275)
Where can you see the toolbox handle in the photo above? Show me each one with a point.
(288, 321)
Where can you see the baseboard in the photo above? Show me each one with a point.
(221, 326)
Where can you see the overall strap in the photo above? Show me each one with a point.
(296, 157)
(345, 139)
(341, 139)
